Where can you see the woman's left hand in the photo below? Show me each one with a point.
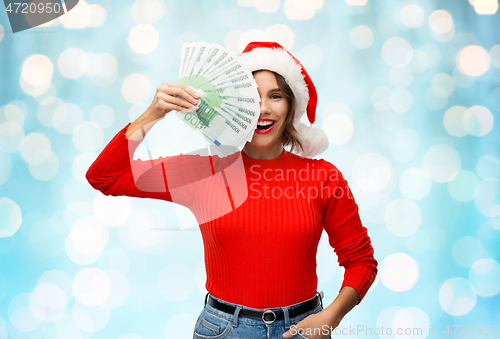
(315, 326)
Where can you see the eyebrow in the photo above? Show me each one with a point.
(273, 90)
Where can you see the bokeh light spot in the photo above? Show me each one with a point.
(66, 117)
(495, 56)
(415, 183)
(488, 166)
(442, 163)
(88, 137)
(299, 9)
(473, 60)
(112, 211)
(356, 2)
(73, 63)
(401, 100)
(399, 272)
(397, 52)
(81, 164)
(282, 34)
(143, 38)
(6, 168)
(462, 187)
(478, 121)
(484, 275)
(457, 296)
(10, 217)
(362, 37)
(148, 11)
(98, 15)
(11, 136)
(136, 88)
(467, 250)
(103, 115)
(21, 313)
(119, 289)
(442, 84)
(371, 172)
(402, 217)
(268, 6)
(453, 121)
(35, 148)
(412, 16)
(86, 240)
(37, 70)
(77, 18)
(91, 286)
(311, 56)
(91, 318)
(486, 7)
(338, 128)
(45, 170)
(381, 98)
(487, 197)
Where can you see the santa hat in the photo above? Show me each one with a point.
(273, 57)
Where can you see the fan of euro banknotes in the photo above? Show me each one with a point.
(229, 101)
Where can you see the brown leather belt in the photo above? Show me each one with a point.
(268, 316)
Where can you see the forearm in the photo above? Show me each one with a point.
(111, 164)
(343, 303)
(145, 121)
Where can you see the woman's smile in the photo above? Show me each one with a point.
(264, 126)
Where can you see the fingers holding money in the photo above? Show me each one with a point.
(171, 96)
(181, 91)
(189, 90)
(168, 103)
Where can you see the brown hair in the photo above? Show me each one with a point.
(290, 134)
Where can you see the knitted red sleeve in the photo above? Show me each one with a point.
(347, 235)
(114, 170)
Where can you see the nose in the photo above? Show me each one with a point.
(264, 107)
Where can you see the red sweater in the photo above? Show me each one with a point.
(261, 234)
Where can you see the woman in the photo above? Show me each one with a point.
(261, 256)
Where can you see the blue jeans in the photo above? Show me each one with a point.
(215, 324)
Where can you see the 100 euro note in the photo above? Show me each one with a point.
(219, 126)
(214, 72)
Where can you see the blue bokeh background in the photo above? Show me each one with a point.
(409, 95)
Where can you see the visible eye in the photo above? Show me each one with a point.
(275, 96)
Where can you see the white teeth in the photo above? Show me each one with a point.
(264, 123)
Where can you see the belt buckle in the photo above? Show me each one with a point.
(267, 321)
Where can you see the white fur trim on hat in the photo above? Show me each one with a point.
(279, 61)
(313, 140)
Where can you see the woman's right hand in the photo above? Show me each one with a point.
(172, 96)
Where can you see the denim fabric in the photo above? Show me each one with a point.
(215, 324)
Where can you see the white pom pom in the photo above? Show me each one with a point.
(314, 140)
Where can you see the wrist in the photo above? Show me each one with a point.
(343, 303)
(334, 315)
(154, 113)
